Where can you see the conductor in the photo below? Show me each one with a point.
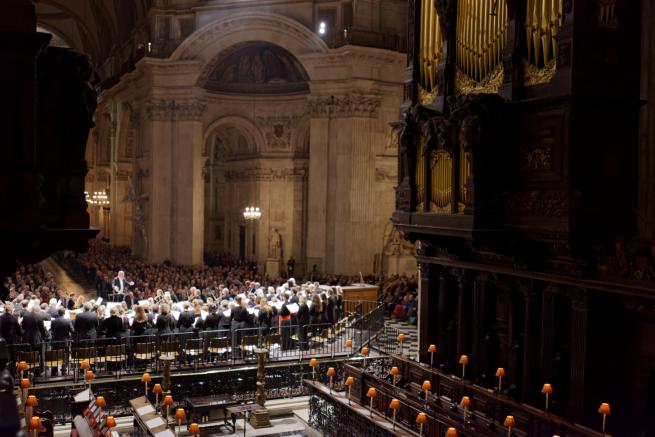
(119, 284)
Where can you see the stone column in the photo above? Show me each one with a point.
(529, 342)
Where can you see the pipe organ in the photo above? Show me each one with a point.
(481, 36)
(521, 197)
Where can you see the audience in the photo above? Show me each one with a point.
(224, 294)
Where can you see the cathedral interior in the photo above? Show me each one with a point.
(327, 218)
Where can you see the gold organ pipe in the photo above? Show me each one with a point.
(431, 45)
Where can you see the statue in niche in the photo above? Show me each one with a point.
(274, 244)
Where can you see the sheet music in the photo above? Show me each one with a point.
(165, 433)
(98, 301)
(203, 314)
(277, 305)
(154, 423)
(293, 308)
(143, 302)
(145, 410)
(227, 312)
(176, 315)
(47, 323)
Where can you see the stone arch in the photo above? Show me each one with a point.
(246, 126)
(215, 37)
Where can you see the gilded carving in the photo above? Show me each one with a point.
(536, 76)
(277, 131)
(426, 97)
(489, 85)
(537, 158)
(166, 110)
(606, 15)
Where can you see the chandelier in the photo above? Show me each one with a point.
(252, 213)
(98, 198)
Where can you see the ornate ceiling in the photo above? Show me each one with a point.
(99, 28)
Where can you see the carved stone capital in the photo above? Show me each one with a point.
(355, 104)
(169, 109)
(267, 174)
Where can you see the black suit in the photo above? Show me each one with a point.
(302, 319)
(86, 325)
(185, 322)
(33, 328)
(61, 329)
(114, 327)
(211, 321)
(164, 324)
(9, 328)
(122, 287)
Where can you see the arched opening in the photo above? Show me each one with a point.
(256, 152)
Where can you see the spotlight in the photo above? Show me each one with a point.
(322, 28)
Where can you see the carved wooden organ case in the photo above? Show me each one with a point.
(517, 170)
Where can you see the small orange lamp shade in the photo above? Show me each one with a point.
(421, 418)
(500, 373)
(349, 343)
(110, 421)
(194, 429)
(547, 389)
(35, 422)
(100, 402)
(401, 337)
(605, 408)
(89, 375)
(25, 383)
(349, 381)
(22, 366)
(432, 348)
(31, 401)
(365, 351)
(372, 392)
(452, 432)
(394, 404)
(313, 362)
(146, 377)
(394, 371)
(465, 402)
(509, 421)
(84, 365)
(168, 400)
(180, 414)
(463, 359)
(427, 385)
(157, 388)
(331, 372)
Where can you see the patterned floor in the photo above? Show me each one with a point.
(394, 328)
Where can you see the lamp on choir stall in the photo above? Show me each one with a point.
(88, 376)
(452, 432)
(394, 405)
(194, 429)
(500, 374)
(330, 373)
(463, 360)
(394, 373)
(24, 385)
(364, 353)
(605, 410)
(31, 402)
(156, 389)
(466, 404)
(421, 419)
(509, 423)
(371, 393)
(84, 365)
(547, 389)
(313, 363)
(22, 367)
(431, 350)
(110, 422)
(179, 415)
(349, 383)
(100, 402)
(401, 340)
(349, 345)
(146, 378)
(427, 386)
(35, 424)
(168, 401)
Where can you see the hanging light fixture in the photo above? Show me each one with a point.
(252, 213)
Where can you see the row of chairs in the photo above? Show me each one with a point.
(147, 353)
